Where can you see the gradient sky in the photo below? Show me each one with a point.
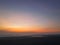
(30, 15)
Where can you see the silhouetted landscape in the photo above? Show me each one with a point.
(29, 40)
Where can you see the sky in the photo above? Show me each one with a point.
(30, 15)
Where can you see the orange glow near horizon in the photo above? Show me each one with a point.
(26, 22)
(21, 29)
(31, 29)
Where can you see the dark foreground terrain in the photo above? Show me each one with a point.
(28, 40)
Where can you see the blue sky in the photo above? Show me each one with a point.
(43, 11)
(25, 13)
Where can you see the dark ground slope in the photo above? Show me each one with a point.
(28, 40)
